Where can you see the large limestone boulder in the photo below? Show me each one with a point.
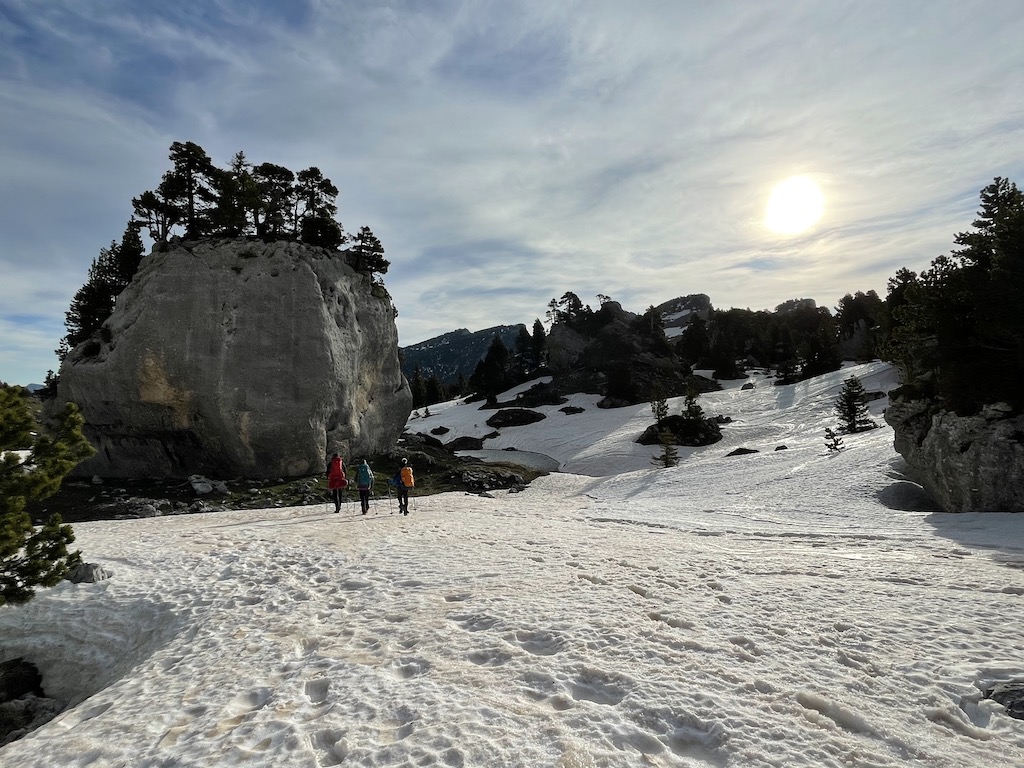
(234, 358)
(966, 463)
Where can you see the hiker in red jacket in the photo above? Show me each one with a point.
(336, 480)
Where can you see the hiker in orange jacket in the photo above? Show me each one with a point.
(403, 481)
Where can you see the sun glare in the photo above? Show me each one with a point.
(795, 206)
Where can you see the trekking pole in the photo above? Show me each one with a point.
(391, 503)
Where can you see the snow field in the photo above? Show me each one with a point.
(786, 608)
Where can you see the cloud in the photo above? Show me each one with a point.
(592, 147)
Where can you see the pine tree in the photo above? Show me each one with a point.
(833, 442)
(196, 181)
(491, 374)
(367, 253)
(540, 342)
(274, 200)
(523, 345)
(30, 557)
(433, 390)
(418, 387)
(669, 456)
(692, 412)
(851, 407)
(109, 274)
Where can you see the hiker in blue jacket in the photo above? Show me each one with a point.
(364, 482)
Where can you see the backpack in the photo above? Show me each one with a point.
(336, 474)
(407, 478)
(363, 475)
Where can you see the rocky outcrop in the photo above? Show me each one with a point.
(617, 354)
(236, 358)
(684, 431)
(966, 463)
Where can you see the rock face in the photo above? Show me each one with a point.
(612, 353)
(235, 358)
(966, 463)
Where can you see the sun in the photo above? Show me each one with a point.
(795, 206)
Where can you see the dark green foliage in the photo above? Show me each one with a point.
(367, 254)
(539, 343)
(157, 210)
(418, 387)
(434, 391)
(321, 230)
(275, 196)
(109, 274)
(524, 357)
(314, 195)
(491, 376)
(833, 442)
(569, 310)
(31, 558)
(669, 456)
(958, 327)
(267, 200)
(851, 407)
(694, 344)
(659, 405)
(861, 316)
(691, 408)
(192, 188)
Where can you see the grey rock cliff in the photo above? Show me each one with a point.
(966, 463)
(234, 358)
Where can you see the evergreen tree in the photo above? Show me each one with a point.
(659, 405)
(692, 411)
(367, 254)
(157, 210)
(196, 181)
(851, 407)
(491, 374)
(275, 195)
(669, 456)
(416, 384)
(237, 199)
(30, 557)
(108, 275)
(539, 342)
(861, 313)
(694, 344)
(315, 209)
(524, 345)
(959, 335)
(128, 257)
(434, 390)
(833, 442)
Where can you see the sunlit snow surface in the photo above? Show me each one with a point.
(786, 608)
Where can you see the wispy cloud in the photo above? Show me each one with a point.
(506, 152)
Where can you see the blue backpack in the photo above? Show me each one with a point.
(363, 475)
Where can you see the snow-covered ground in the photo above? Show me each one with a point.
(785, 608)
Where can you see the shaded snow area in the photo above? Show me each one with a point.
(784, 608)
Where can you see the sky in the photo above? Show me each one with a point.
(798, 608)
(507, 152)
